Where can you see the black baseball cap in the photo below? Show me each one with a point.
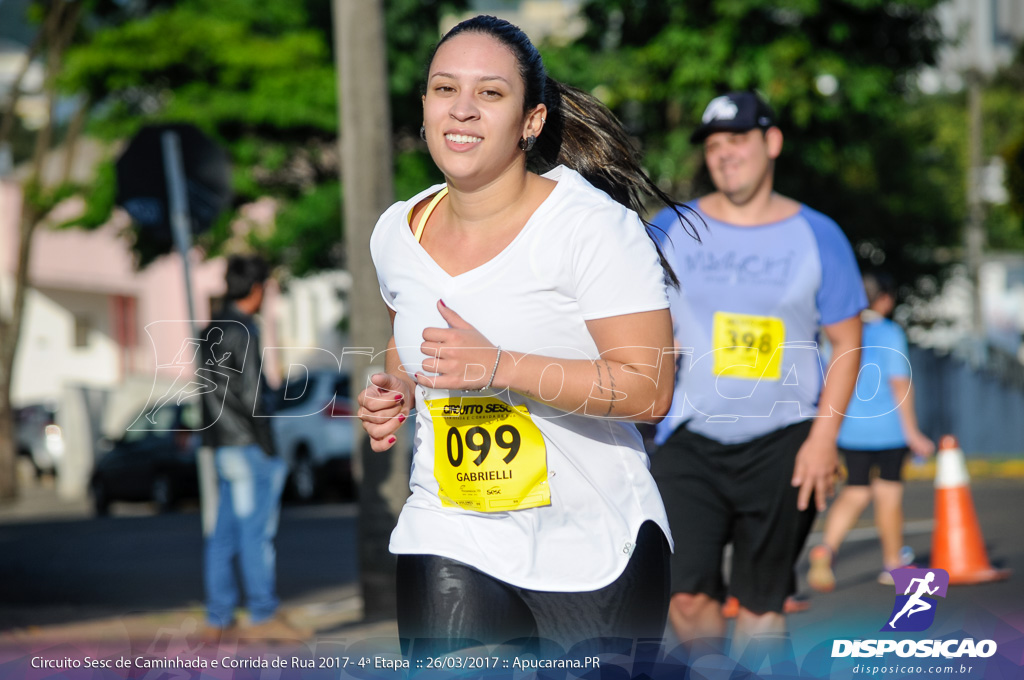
(734, 112)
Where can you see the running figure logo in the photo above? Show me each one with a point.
(191, 374)
(914, 610)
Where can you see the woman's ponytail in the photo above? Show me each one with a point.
(583, 134)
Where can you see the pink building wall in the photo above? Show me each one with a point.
(100, 262)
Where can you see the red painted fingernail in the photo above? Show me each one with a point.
(398, 397)
(401, 417)
(442, 303)
(391, 440)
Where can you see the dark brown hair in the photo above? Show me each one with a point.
(243, 272)
(580, 132)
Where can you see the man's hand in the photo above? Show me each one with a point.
(816, 468)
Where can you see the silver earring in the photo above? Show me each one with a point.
(527, 144)
(423, 132)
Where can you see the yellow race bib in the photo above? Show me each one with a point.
(489, 456)
(748, 346)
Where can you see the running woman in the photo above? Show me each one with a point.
(530, 319)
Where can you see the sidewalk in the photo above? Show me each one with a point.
(337, 615)
(333, 613)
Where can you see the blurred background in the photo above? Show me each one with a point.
(904, 121)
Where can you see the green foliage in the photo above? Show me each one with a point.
(856, 153)
(1004, 136)
(256, 77)
(99, 199)
(945, 117)
(411, 35)
(887, 163)
(40, 199)
(414, 172)
(1014, 158)
(307, 236)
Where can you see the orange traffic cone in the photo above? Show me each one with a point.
(957, 543)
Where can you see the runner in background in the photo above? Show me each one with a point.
(748, 452)
(879, 430)
(530, 314)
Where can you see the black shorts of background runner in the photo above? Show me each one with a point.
(445, 605)
(740, 493)
(860, 462)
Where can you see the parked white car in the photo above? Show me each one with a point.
(38, 437)
(313, 429)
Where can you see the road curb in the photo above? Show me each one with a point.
(978, 468)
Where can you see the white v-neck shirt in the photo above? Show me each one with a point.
(581, 256)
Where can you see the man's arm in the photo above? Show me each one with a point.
(818, 458)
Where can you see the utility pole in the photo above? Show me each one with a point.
(974, 230)
(366, 173)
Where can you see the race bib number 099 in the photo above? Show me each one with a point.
(489, 456)
(748, 346)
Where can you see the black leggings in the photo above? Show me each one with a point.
(445, 605)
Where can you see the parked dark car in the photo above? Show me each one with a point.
(154, 461)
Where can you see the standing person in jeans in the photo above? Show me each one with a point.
(879, 430)
(250, 477)
(750, 438)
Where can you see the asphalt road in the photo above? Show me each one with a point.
(78, 567)
(859, 605)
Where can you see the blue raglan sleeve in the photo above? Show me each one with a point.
(841, 294)
(670, 236)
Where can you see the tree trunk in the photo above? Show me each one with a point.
(8, 450)
(10, 332)
(366, 169)
(57, 32)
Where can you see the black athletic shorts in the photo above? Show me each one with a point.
(716, 494)
(860, 462)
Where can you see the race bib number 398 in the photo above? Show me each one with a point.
(489, 456)
(748, 346)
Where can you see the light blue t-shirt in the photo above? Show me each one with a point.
(747, 317)
(872, 420)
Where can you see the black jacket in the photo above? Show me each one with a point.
(236, 411)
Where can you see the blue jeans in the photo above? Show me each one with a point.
(249, 484)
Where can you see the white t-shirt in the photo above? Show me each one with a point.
(580, 256)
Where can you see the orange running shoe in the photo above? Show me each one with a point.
(820, 576)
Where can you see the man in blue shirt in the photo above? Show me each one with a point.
(879, 429)
(751, 436)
